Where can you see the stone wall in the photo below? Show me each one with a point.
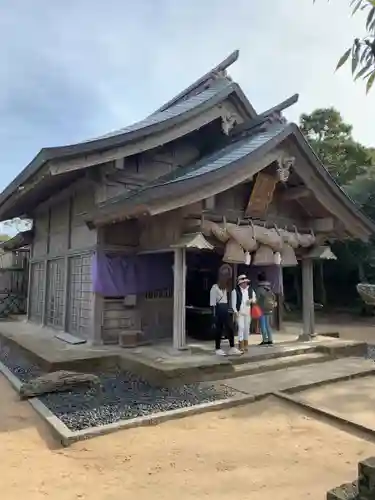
(361, 489)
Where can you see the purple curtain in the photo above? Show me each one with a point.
(115, 275)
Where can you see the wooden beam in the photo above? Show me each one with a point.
(323, 225)
(295, 193)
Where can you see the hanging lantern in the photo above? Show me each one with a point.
(264, 256)
(277, 256)
(288, 256)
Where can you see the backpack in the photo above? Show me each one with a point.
(269, 301)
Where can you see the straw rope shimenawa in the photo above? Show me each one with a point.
(268, 246)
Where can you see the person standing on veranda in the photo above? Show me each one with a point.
(267, 302)
(219, 303)
(242, 298)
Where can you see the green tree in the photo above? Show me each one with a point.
(362, 191)
(332, 140)
(351, 164)
(362, 52)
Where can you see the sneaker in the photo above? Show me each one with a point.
(270, 342)
(220, 352)
(233, 351)
(263, 342)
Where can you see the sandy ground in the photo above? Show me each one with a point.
(263, 451)
(354, 399)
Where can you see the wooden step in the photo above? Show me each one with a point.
(278, 363)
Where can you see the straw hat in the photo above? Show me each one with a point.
(242, 278)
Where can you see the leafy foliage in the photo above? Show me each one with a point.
(332, 140)
(362, 191)
(362, 52)
(353, 167)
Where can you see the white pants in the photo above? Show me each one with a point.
(243, 323)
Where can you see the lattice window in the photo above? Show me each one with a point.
(37, 291)
(56, 293)
(165, 293)
(80, 295)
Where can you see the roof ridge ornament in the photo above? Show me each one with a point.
(228, 121)
(221, 75)
(284, 166)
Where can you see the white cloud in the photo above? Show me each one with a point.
(77, 68)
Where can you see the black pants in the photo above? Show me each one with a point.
(223, 325)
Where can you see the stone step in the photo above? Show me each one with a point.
(277, 351)
(278, 363)
(303, 376)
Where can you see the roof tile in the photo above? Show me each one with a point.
(224, 157)
(178, 109)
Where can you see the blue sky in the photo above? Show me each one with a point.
(73, 69)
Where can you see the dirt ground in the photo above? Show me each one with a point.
(263, 451)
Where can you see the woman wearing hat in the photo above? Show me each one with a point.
(243, 296)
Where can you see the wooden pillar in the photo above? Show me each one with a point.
(279, 313)
(308, 313)
(45, 292)
(97, 319)
(29, 288)
(67, 294)
(97, 301)
(179, 299)
(45, 275)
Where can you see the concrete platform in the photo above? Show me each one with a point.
(353, 400)
(297, 379)
(162, 365)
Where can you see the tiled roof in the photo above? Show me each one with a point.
(220, 159)
(224, 157)
(177, 109)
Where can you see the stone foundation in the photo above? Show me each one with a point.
(361, 489)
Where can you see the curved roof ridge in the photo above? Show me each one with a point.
(219, 68)
(164, 115)
(190, 107)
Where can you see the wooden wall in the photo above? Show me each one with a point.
(125, 174)
(60, 293)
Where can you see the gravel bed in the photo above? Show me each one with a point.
(370, 352)
(14, 359)
(122, 395)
